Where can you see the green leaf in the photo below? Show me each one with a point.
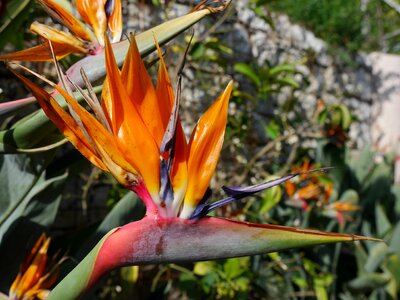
(26, 190)
(383, 224)
(320, 288)
(271, 197)
(287, 81)
(346, 116)
(198, 51)
(395, 240)
(247, 71)
(235, 267)
(393, 265)
(272, 130)
(290, 68)
(376, 256)
(11, 20)
(369, 282)
(300, 281)
(203, 267)
(29, 202)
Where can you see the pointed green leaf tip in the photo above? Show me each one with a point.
(152, 240)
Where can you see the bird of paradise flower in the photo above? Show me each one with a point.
(102, 16)
(135, 134)
(37, 274)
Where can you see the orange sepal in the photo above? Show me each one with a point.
(64, 122)
(205, 146)
(310, 192)
(92, 11)
(115, 22)
(35, 270)
(103, 139)
(67, 19)
(140, 89)
(59, 37)
(165, 96)
(38, 53)
(129, 129)
(345, 206)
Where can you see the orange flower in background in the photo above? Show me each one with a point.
(314, 189)
(102, 15)
(341, 210)
(35, 277)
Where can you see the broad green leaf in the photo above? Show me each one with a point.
(395, 240)
(383, 224)
(369, 282)
(393, 265)
(11, 19)
(376, 256)
(361, 258)
(29, 202)
(27, 191)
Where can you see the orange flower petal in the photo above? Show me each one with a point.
(39, 53)
(131, 133)
(59, 37)
(154, 112)
(67, 19)
(204, 148)
(92, 11)
(64, 122)
(115, 22)
(345, 206)
(165, 96)
(310, 192)
(107, 147)
(35, 269)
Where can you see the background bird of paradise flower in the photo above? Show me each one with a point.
(297, 271)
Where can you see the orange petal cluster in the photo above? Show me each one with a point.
(34, 278)
(125, 133)
(102, 15)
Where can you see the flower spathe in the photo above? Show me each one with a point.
(102, 16)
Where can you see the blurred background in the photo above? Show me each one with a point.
(317, 84)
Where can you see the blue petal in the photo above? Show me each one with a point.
(236, 193)
(109, 7)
